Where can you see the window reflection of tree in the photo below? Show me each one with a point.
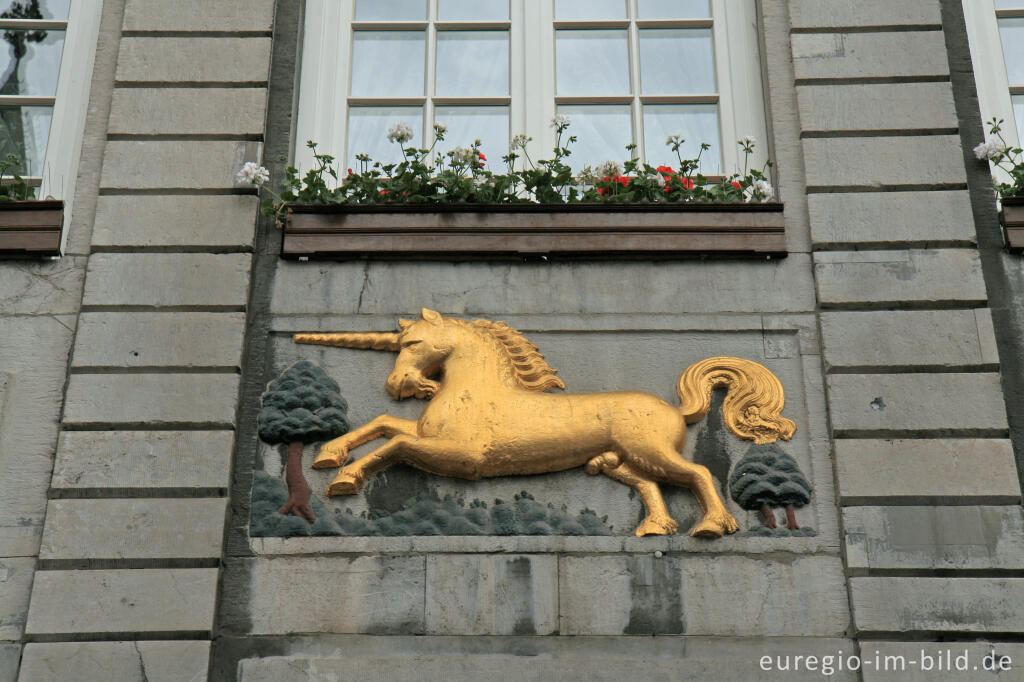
(12, 127)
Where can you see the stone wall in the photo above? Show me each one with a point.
(131, 376)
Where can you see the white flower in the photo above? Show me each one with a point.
(519, 141)
(765, 188)
(560, 121)
(252, 174)
(586, 176)
(747, 142)
(463, 155)
(674, 139)
(660, 179)
(609, 169)
(400, 133)
(989, 150)
(440, 128)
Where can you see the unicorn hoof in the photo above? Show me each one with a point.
(652, 525)
(345, 484)
(715, 526)
(330, 458)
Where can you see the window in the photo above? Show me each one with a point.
(46, 70)
(623, 71)
(996, 32)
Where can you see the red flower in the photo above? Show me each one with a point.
(604, 191)
(384, 191)
(623, 180)
(737, 185)
(686, 182)
(350, 171)
(665, 170)
(482, 157)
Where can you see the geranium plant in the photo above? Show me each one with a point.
(462, 176)
(1001, 155)
(17, 189)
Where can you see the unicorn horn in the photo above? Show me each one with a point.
(371, 340)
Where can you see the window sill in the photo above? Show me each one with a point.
(524, 230)
(31, 229)
(1012, 218)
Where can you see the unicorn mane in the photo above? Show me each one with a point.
(526, 365)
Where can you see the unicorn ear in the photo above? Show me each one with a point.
(431, 316)
(404, 324)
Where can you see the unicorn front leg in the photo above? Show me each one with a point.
(442, 457)
(335, 453)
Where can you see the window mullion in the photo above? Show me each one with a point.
(634, 79)
(521, 44)
(431, 75)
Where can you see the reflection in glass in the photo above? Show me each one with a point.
(368, 133)
(472, 63)
(1018, 113)
(569, 10)
(50, 10)
(23, 132)
(592, 62)
(673, 9)
(472, 10)
(465, 124)
(30, 62)
(388, 63)
(391, 10)
(677, 62)
(1012, 33)
(602, 131)
(695, 123)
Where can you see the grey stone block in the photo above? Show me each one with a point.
(175, 221)
(336, 594)
(175, 165)
(151, 398)
(879, 403)
(981, 469)
(159, 339)
(896, 338)
(879, 106)
(860, 55)
(887, 278)
(506, 289)
(133, 529)
(934, 538)
(194, 60)
(15, 589)
(10, 657)
(842, 14)
(878, 217)
(937, 604)
(41, 288)
(188, 111)
(143, 459)
(197, 15)
(116, 661)
(33, 368)
(881, 161)
(951, 661)
(700, 595)
(101, 601)
(168, 279)
(492, 595)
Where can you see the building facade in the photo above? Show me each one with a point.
(139, 524)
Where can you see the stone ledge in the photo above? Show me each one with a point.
(876, 107)
(151, 398)
(198, 15)
(149, 661)
(194, 60)
(918, 160)
(165, 165)
(867, 55)
(891, 217)
(841, 14)
(167, 279)
(215, 221)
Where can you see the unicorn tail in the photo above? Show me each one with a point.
(753, 402)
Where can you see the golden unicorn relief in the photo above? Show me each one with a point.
(489, 415)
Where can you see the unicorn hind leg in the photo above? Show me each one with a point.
(658, 521)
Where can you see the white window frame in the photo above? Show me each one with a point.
(69, 103)
(325, 78)
(993, 85)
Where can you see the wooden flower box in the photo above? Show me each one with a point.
(30, 228)
(523, 230)
(1012, 217)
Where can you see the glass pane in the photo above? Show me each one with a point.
(677, 62)
(602, 133)
(1018, 113)
(51, 10)
(465, 124)
(592, 62)
(31, 62)
(472, 10)
(673, 9)
(1009, 4)
(23, 132)
(368, 132)
(391, 10)
(568, 10)
(403, 51)
(695, 123)
(472, 63)
(1012, 33)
